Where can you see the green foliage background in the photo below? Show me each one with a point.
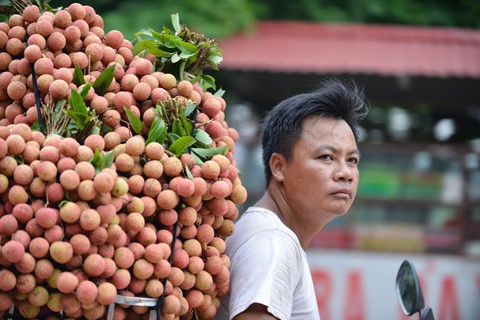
(452, 13)
(215, 19)
(221, 18)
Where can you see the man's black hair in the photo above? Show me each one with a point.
(282, 127)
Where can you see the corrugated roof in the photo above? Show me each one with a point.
(306, 47)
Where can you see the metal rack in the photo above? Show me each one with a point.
(133, 301)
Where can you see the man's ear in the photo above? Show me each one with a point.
(277, 166)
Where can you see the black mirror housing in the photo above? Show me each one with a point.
(409, 291)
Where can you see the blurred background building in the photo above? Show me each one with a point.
(419, 196)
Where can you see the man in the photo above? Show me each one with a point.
(310, 161)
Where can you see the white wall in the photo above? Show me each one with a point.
(355, 285)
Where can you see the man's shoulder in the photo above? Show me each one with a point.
(259, 217)
(255, 220)
(261, 228)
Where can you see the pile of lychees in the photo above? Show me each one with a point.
(84, 218)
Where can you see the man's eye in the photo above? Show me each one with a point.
(326, 157)
(354, 160)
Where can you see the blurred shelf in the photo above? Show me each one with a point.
(407, 203)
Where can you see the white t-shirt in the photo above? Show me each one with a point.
(269, 267)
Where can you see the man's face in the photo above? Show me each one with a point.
(321, 178)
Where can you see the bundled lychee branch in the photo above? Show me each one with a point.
(181, 52)
(132, 190)
(86, 121)
(13, 7)
(56, 119)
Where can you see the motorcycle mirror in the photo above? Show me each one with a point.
(408, 287)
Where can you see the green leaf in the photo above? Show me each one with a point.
(6, 3)
(105, 129)
(186, 48)
(181, 70)
(189, 109)
(198, 161)
(104, 80)
(213, 61)
(159, 35)
(164, 40)
(240, 174)
(135, 121)
(180, 145)
(19, 159)
(96, 157)
(196, 79)
(203, 137)
(168, 41)
(163, 135)
(139, 47)
(84, 91)
(208, 153)
(187, 126)
(59, 107)
(35, 126)
(219, 93)
(101, 161)
(175, 58)
(62, 203)
(78, 77)
(186, 56)
(76, 102)
(175, 21)
(151, 47)
(79, 118)
(94, 130)
(72, 127)
(207, 81)
(188, 172)
(178, 129)
(144, 32)
(158, 109)
(172, 137)
(155, 130)
(165, 29)
(98, 161)
(109, 158)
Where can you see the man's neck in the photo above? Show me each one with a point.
(275, 202)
